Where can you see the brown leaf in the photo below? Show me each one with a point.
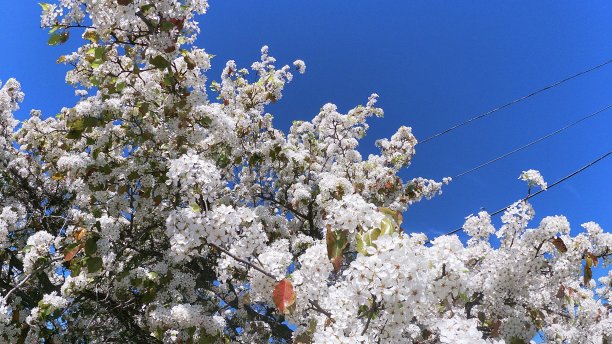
(588, 274)
(495, 329)
(560, 292)
(559, 244)
(283, 295)
(593, 258)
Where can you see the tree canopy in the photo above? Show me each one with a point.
(164, 207)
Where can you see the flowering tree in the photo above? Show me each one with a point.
(149, 213)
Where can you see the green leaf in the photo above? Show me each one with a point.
(58, 38)
(166, 26)
(91, 35)
(85, 123)
(94, 264)
(133, 175)
(99, 57)
(45, 6)
(395, 215)
(159, 62)
(374, 234)
(195, 207)
(74, 134)
(54, 28)
(91, 246)
(145, 8)
(206, 122)
(387, 226)
(360, 244)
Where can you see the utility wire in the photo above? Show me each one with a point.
(533, 142)
(518, 100)
(540, 191)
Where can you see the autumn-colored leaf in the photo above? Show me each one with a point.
(591, 259)
(495, 329)
(560, 292)
(80, 234)
(559, 244)
(70, 254)
(588, 275)
(283, 295)
(337, 263)
(336, 242)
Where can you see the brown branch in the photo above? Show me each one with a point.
(316, 307)
(247, 263)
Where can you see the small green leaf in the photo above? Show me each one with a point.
(91, 35)
(360, 244)
(133, 175)
(94, 264)
(195, 207)
(206, 121)
(91, 246)
(145, 8)
(58, 38)
(54, 28)
(374, 234)
(45, 6)
(99, 53)
(387, 226)
(159, 62)
(166, 26)
(74, 134)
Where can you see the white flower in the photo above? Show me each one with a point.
(533, 178)
(300, 66)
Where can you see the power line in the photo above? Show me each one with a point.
(540, 191)
(518, 100)
(533, 142)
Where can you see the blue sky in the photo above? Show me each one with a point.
(433, 65)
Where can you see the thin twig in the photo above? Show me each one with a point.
(247, 263)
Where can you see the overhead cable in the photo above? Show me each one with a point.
(518, 100)
(540, 191)
(533, 142)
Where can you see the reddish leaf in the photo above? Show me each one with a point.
(70, 254)
(283, 295)
(337, 263)
(559, 244)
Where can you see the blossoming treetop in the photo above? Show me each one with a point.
(149, 213)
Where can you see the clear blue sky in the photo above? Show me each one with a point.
(432, 65)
